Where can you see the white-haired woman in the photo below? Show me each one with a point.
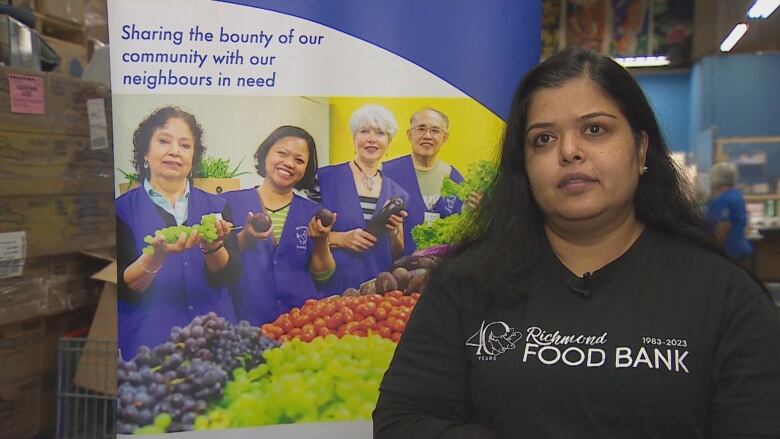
(357, 190)
(726, 213)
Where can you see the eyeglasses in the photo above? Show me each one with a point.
(435, 131)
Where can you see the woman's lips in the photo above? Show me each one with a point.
(576, 182)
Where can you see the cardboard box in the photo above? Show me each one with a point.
(60, 223)
(51, 156)
(65, 105)
(20, 408)
(74, 56)
(21, 350)
(97, 366)
(68, 10)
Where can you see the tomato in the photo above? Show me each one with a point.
(358, 317)
(393, 301)
(362, 309)
(367, 323)
(319, 322)
(384, 331)
(386, 305)
(285, 338)
(403, 314)
(350, 326)
(394, 293)
(375, 298)
(294, 332)
(380, 313)
(396, 337)
(342, 331)
(415, 296)
(328, 308)
(395, 312)
(335, 320)
(310, 302)
(397, 325)
(299, 320)
(272, 331)
(347, 313)
(359, 332)
(324, 332)
(308, 336)
(284, 322)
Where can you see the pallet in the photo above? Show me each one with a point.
(59, 28)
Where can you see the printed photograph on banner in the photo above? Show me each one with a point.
(264, 239)
(286, 176)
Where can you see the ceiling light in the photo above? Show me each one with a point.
(643, 61)
(736, 33)
(763, 8)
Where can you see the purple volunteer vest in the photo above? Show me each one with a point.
(179, 291)
(274, 279)
(401, 170)
(340, 195)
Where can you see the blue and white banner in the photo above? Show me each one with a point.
(276, 214)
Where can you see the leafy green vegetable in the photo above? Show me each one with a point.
(478, 178)
(441, 231)
(131, 177)
(446, 230)
(214, 167)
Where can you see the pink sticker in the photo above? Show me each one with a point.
(26, 94)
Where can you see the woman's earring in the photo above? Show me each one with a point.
(643, 171)
(146, 164)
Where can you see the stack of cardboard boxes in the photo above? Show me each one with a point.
(56, 202)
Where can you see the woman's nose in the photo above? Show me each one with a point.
(570, 150)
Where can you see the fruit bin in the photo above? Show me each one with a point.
(83, 413)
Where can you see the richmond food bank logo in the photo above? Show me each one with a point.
(493, 339)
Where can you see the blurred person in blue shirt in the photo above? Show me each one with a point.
(726, 213)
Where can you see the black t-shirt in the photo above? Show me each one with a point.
(668, 341)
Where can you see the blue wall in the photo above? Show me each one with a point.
(669, 94)
(739, 94)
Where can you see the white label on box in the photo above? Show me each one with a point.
(12, 268)
(98, 126)
(13, 251)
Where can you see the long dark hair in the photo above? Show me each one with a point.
(500, 244)
(307, 181)
(143, 135)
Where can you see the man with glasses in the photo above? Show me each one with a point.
(421, 173)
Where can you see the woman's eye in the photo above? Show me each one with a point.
(186, 146)
(380, 133)
(595, 130)
(543, 139)
(300, 162)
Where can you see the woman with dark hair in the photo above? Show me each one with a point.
(358, 190)
(173, 283)
(282, 264)
(586, 299)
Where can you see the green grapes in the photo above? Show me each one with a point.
(327, 379)
(207, 229)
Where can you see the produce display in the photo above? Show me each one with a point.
(327, 379)
(382, 315)
(173, 383)
(320, 362)
(207, 229)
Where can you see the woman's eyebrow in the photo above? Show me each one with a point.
(596, 114)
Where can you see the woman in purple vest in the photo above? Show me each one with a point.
(175, 282)
(357, 190)
(282, 264)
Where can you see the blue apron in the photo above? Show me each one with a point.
(401, 170)
(273, 279)
(179, 291)
(340, 195)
